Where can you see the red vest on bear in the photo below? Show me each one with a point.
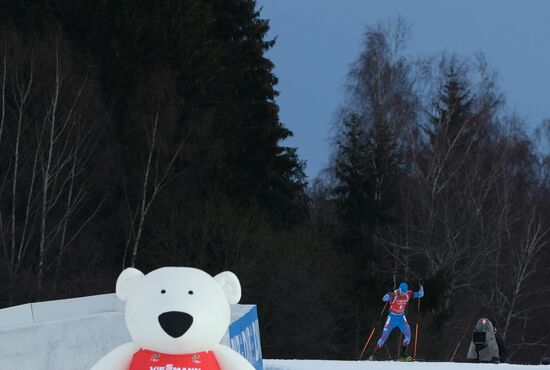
(149, 360)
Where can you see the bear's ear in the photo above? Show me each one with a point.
(126, 281)
(230, 285)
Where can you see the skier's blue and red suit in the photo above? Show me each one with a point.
(396, 318)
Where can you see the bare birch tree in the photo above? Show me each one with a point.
(50, 140)
(155, 113)
(155, 177)
(514, 294)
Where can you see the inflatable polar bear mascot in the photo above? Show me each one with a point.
(176, 317)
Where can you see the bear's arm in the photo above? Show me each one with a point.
(230, 360)
(118, 359)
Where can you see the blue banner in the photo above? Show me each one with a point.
(244, 337)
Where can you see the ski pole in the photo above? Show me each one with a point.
(372, 331)
(383, 309)
(416, 333)
(416, 329)
(367, 343)
(415, 340)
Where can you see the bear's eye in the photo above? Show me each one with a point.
(163, 291)
(190, 292)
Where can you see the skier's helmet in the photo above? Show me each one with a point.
(403, 287)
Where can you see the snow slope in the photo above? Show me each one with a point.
(383, 365)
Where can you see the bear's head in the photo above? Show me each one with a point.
(177, 310)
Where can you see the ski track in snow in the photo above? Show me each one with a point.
(384, 365)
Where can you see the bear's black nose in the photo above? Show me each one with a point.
(175, 323)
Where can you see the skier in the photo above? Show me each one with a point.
(398, 300)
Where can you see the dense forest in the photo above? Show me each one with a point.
(146, 133)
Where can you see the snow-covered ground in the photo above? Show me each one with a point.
(383, 365)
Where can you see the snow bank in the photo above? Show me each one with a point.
(68, 344)
(384, 365)
(64, 334)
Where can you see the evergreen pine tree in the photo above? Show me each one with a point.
(355, 188)
(452, 123)
(225, 87)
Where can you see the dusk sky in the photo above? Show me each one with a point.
(318, 39)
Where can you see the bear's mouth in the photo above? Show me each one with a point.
(175, 323)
